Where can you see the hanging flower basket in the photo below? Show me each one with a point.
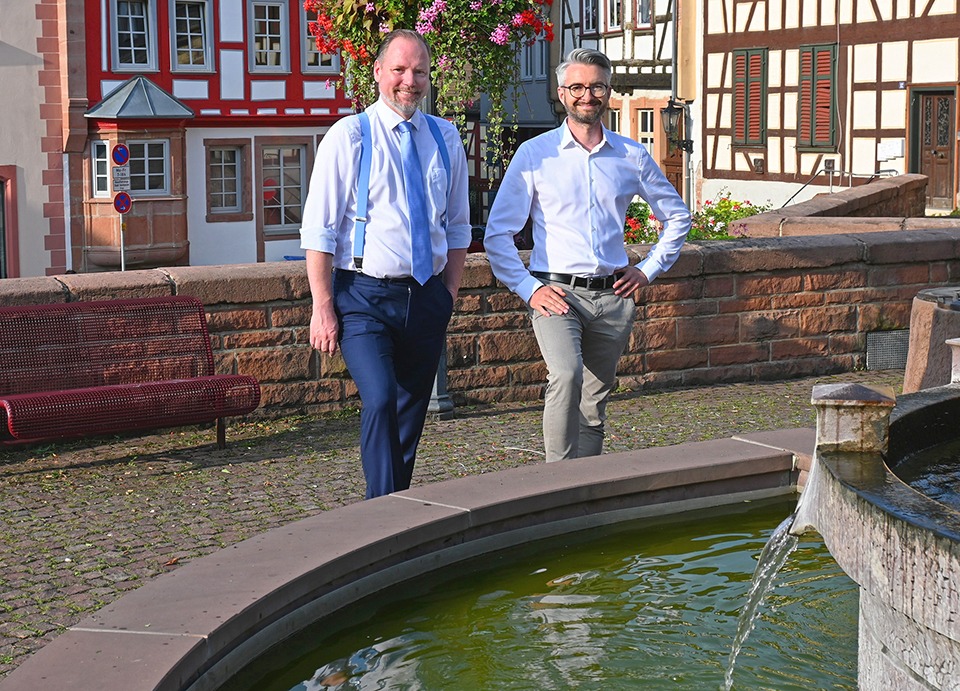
(474, 45)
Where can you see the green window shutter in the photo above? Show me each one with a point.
(817, 94)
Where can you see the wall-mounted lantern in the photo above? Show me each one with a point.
(671, 125)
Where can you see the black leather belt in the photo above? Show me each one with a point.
(588, 282)
(403, 280)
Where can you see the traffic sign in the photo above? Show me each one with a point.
(121, 154)
(122, 202)
(121, 178)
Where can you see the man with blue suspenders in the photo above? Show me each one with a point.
(386, 229)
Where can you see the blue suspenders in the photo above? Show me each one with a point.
(363, 180)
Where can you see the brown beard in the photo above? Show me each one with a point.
(584, 119)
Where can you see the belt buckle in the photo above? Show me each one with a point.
(596, 282)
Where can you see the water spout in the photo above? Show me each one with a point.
(805, 517)
(774, 555)
(850, 417)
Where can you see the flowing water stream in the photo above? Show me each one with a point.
(774, 555)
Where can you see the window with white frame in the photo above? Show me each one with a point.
(313, 59)
(149, 167)
(613, 119)
(283, 175)
(99, 169)
(588, 17)
(526, 63)
(223, 179)
(614, 14)
(191, 42)
(645, 128)
(269, 51)
(534, 59)
(228, 172)
(644, 12)
(133, 25)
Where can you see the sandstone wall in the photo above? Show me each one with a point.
(759, 309)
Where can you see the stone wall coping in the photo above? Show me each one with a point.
(846, 201)
(286, 281)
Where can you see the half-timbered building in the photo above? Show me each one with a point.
(226, 183)
(205, 115)
(803, 96)
(645, 39)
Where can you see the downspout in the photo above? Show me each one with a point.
(687, 120)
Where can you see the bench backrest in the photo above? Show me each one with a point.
(82, 344)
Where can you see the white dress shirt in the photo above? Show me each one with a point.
(331, 204)
(577, 200)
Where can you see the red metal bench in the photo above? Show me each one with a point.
(92, 368)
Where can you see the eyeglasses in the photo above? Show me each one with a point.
(578, 90)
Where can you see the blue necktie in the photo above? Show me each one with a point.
(417, 204)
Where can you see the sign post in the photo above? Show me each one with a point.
(121, 188)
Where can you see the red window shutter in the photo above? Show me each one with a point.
(739, 97)
(755, 103)
(806, 97)
(823, 98)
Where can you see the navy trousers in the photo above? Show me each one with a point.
(391, 336)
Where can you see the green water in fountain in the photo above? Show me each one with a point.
(648, 604)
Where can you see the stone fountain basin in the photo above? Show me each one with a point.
(901, 547)
(195, 627)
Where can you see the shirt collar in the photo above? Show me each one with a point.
(567, 140)
(392, 118)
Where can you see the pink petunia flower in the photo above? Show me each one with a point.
(501, 35)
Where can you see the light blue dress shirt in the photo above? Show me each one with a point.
(578, 201)
(330, 207)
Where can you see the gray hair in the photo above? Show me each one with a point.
(584, 56)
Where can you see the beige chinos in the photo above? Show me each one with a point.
(581, 349)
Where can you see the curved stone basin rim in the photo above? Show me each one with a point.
(196, 626)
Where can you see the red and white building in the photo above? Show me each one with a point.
(220, 104)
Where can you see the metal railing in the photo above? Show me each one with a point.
(884, 172)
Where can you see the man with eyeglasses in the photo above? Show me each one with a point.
(575, 183)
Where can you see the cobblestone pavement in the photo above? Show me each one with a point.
(82, 523)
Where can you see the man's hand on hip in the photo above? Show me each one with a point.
(548, 299)
(631, 280)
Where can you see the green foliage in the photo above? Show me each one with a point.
(474, 45)
(721, 219)
(718, 219)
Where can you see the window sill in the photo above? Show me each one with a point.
(229, 217)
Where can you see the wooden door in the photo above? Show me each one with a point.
(672, 166)
(937, 147)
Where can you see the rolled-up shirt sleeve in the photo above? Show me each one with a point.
(332, 194)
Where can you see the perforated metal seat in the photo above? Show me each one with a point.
(93, 368)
